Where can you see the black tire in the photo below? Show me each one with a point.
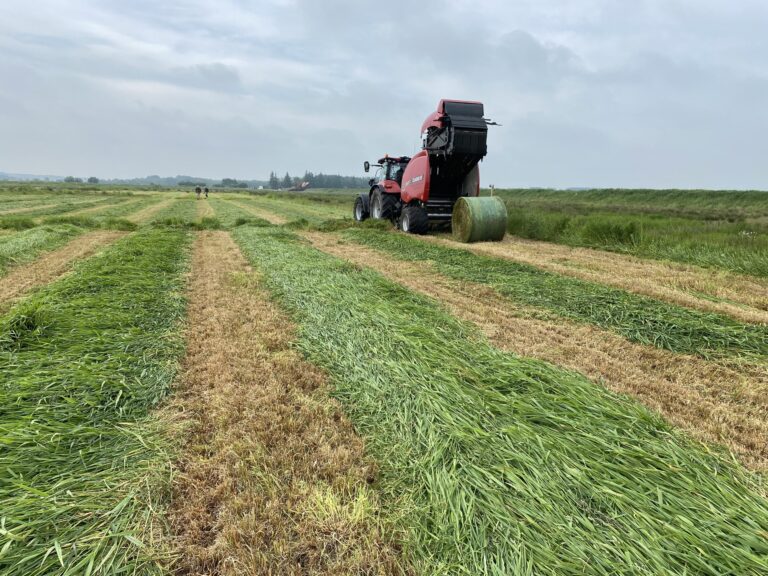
(414, 220)
(360, 212)
(383, 205)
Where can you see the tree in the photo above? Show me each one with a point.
(72, 179)
(274, 182)
(93, 180)
(287, 181)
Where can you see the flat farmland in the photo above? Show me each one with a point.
(256, 384)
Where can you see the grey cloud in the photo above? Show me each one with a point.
(594, 92)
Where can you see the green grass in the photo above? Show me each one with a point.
(296, 208)
(727, 230)
(729, 205)
(16, 222)
(92, 222)
(63, 206)
(83, 469)
(637, 318)
(181, 212)
(26, 245)
(227, 212)
(496, 464)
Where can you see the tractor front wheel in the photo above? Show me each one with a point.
(414, 220)
(383, 205)
(361, 210)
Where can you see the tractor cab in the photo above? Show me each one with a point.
(389, 168)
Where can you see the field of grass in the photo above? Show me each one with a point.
(211, 392)
(726, 230)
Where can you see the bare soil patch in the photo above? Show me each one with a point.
(51, 265)
(714, 402)
(272, 478)
(742, 297)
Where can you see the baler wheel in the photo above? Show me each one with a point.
(383, 206)
(414, 220)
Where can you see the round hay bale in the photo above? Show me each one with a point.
(479, 219)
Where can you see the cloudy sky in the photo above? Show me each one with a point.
(641, 93)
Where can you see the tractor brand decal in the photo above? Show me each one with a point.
(414, 180)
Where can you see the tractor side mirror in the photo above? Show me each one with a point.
(366, 166)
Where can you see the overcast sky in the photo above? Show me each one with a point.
(641, 93)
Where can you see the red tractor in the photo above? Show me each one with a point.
(414, 192)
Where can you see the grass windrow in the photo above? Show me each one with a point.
(83, 362)
(637, 318)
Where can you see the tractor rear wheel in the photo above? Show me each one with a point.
(361, 210)
(414, 220)
(383, 205)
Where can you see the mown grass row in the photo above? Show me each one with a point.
(228, 213)
(295, 208)
(82, 466)
(32, 239)
(637, 318)
(63, 206)
(501, 465)
(10, 202)
(181, 212)
(26, 245)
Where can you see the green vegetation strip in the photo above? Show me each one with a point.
(501, 465)
(637, 318)
(721, 229)
(82, 466)
(297, 208)
(181, 212)
(228, 213)
(705, 204)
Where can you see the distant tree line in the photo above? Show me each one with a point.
(232, 183)
(319, 180)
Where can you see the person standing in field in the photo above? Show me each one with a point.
(206, 191)
(197, 192)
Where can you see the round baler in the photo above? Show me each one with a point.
(441, 183)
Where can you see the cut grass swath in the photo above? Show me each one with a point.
(182, 212)
(24, 246)
(82, 467)
(503, 465)
(637, 318)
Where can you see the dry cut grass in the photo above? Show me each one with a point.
(714, 402)
(272, 478)
(52, 265)
(742, 297)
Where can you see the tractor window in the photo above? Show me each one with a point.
(395, 172)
